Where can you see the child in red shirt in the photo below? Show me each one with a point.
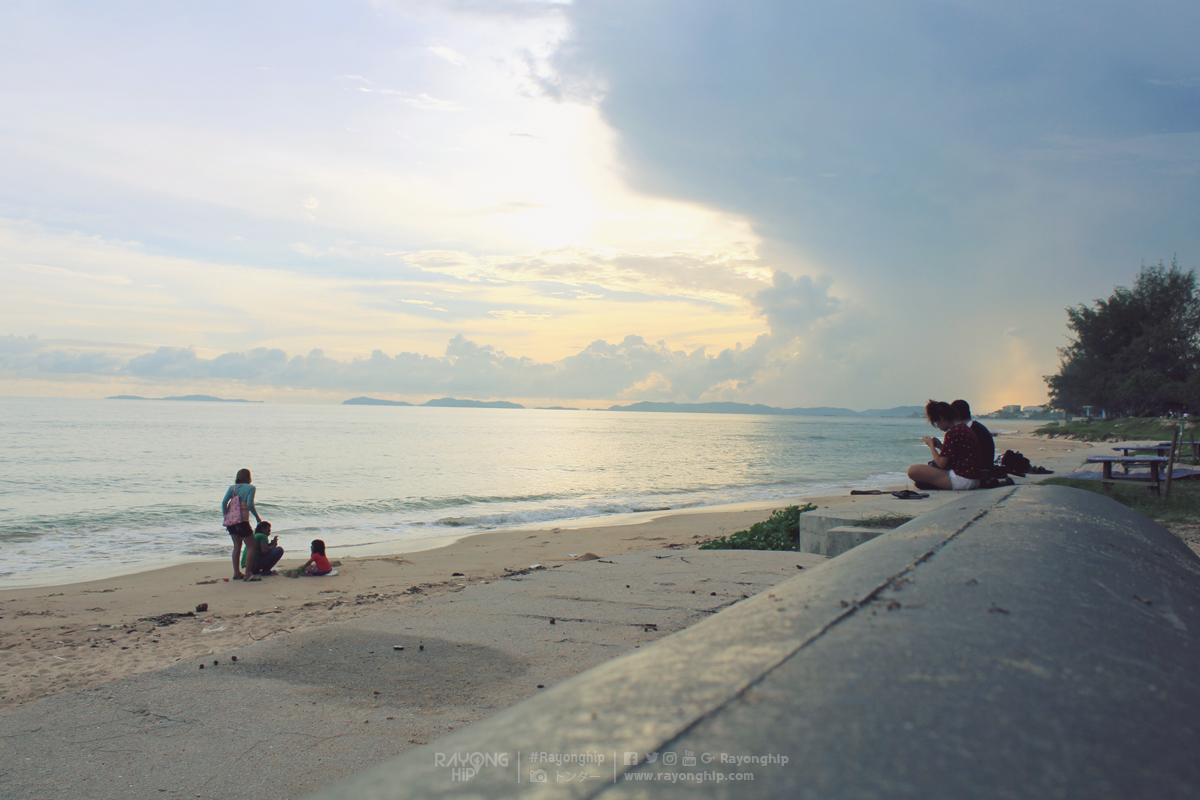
(318, 564)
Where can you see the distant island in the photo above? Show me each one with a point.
(203, 398)
(757, 408)
(444, 402)
(371, 401)
(676, 408)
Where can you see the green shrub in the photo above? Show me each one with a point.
(780, 531)
(1118, 430)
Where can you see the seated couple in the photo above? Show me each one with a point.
(961, 460)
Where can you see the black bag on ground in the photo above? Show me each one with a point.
(1013, 463)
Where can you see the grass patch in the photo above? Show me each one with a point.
(1113, 430)
(886, 520)
(780, 531)
(1182, 506)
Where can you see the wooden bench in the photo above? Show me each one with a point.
(1153, 462)
(1162, 449)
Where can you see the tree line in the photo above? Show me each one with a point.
(1135, 353)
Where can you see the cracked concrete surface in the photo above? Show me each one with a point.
(297, 713)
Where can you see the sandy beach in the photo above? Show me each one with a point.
(66, 638)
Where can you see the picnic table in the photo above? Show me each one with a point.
(1162, 448)
(1153, 462)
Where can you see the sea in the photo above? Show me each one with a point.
(94, 488)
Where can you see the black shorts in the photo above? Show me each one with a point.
(241, 531)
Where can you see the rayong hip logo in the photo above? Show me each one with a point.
(465, 766)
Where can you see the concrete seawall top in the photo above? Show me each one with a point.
(1031, 642)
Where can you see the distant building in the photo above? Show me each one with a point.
(1012, 409)
(1033, 409)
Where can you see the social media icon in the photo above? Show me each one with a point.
(651, 757)
(631, 759)
(689, 758)
(537, 776)
(668, 758)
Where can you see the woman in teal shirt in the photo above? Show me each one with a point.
(242, 492)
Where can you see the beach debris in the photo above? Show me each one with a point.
(712, 594)
(213, 630)
(646, 627)
(398, 647)
(457, 575)
(200, 609)
(162, 620)
(588, 557)
(535, 566)
(995, 609)
(234, 658)
(215, 662)
(420, 647)
(541, 686)
(627, 586)
(552, 620)
(203, 583)
(799, 567)
(201, 666)
(572, 555)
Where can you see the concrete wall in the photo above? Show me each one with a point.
(1035, 642)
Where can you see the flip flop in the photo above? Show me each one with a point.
(865, 491)
(907, 494)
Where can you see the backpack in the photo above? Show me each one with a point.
(234, 513)
(1014, 463)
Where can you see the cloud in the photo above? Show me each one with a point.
(27, 357)
(792, 305)
(448, 54)
(712, 275)
(630, 369)
(419, 100)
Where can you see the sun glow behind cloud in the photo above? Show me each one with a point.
(540, 181)
(439, 191)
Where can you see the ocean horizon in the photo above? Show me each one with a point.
(91, 488)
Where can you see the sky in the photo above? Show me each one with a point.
(582, 202)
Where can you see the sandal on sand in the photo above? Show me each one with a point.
(909, 495)
(252, 578)
(865, 491)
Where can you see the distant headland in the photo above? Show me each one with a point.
(203, 398)
(371, 401)
(677, 408)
